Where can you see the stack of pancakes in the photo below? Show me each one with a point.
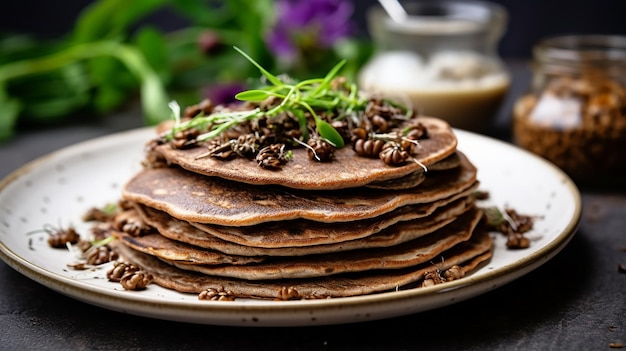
(348, 227)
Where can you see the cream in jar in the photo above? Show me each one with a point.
(441, 60)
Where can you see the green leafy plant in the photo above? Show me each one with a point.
(153, 95)
(113, 54)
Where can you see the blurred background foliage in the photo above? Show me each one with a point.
(85, 58)
(112, 55)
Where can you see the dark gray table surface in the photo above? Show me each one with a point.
(576, 301)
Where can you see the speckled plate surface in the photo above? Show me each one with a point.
(57, 189)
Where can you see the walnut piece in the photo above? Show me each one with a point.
(138, 280)
(287, 293)
(120, 269)
(219, 294)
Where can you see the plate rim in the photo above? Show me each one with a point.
(269, 313)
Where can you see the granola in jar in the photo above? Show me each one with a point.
(575, 116)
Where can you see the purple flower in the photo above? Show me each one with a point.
(224, 94)
(305, 24)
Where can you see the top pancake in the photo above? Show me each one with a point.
(195, 198)
(346, 170)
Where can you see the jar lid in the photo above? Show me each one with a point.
(587, 49)
(446, 17)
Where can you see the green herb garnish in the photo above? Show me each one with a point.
(495, 217)
(311, 96)
(110, 208)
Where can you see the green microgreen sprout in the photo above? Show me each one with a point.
(175, 107)
(105, 241)
(110, 208)
(496, 217)
(309, 96)
(95, 244)
(288, 155)
(493, 215)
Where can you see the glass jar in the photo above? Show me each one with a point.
(575, 115)
(442, 60)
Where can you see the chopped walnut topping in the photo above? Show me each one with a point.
(219, 294)
(437, 277)
(130, 222)
(523, 223)
(433, 278)
(125, 205)
(60, 237)
(453, 273)
(379, 123)
(381, 108)
(246, 145)
(393, 154)
(287, 293)
(137, 280)
(96, 214)
(220, 148)
(510, 223)
(119, 270)
(205, 107)
(416, 131)
(100, 231)
(320, 149)
(99, 255)
(254, 138)
(272, 157)
(185, 139)
(154, 159)
(77, 266)
(517, 241)
(368, 147)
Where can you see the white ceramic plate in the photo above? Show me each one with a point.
(57, 189)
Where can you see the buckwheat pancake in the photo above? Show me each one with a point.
(302, 233)
(346, 170)
(407, 254)
(416, 178)
(468, 255)
(452, 161)
(159, 246)
(309, 192)
(197, 198)
(409, 181)
(181, 231)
